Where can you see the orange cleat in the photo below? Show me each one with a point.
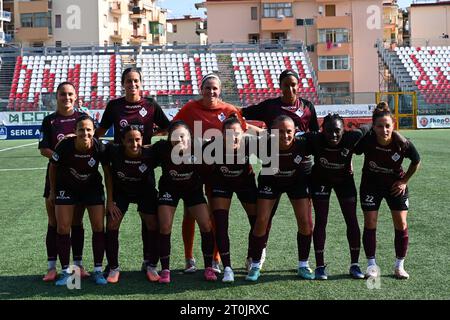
(83, 273)
(152, 274)
(51, 275)
(113, 276)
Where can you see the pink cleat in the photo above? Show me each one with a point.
(164, 276)
(210, 275)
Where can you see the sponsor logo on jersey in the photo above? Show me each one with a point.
(142, 168)
(92, 162)
(395, 157)
(143, 112)
(375, 168)
(330, 165)
(81, 177)
(230, 173)
(123, 123)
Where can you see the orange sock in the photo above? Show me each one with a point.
(216, 255)
(188, 232)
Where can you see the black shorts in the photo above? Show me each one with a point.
(90, 196)
(245, 195)
(371, 196)
(321, 190)
(147, 203)
(167, 197)
(269, 190)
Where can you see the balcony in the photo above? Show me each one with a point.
(33, 34)
(115, 8)
(334, 49)
(120, 35)
(138, 13)
(34, 6)
(341, 22)
(141, 38)
(5, 16)
(277, 24)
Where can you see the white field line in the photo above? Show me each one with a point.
(22, 169)
(17, 147)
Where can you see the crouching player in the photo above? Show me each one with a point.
(383, 177)
(130, 178)
(75, 180)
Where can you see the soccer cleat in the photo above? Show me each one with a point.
(355, 272)
(372, 271)
(83, 273)
(253, 274)
(190, 266)
(263, 258)
(51, 275)
(62, 281)
(152, 274)
(320, 273)
(401, 274)
(305, 273)
(228, 275)
(216, 266)
(248, 264)
(99, 278)
(113, 276)
(164, 276)
(210, 274)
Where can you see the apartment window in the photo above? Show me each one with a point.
(26, 20)
(274, 10)
(253, 38)
(58, 44)
(254, 13)
(57, 21)
(174, 28)
(333, 35)
(330, 10)
(305, 22)
(334, 63)
(35, 20)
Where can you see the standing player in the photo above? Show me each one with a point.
(136, 110)
(209, 112)
(54, 127)
(291, 177)
(333, 150)
(383, 177)
(129, 178)
(231, 174)
(300, 110)
(75, 180)
(180, 179)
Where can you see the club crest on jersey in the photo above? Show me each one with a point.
(345, 152)
(55, 156)
(91, 162)
(123, 123)
(142, 168)
(395, 157)
(298, 159)
(221, 117)
(120, 174)
(143, 112)
(59, 137)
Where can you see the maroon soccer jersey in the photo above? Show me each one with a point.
(144, 113)
(383, 164)
(54, 127)
(177, 177)
(232, 170)
(291, 166)
(332, 163)
(131, 176)
(77, 170)
(305, 119)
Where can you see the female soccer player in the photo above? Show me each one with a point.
(300, 110)
(136, 110)
(180, 179)
(54, 128)
(291, 177)
(129, 178)
(75, 180)
(383, 177)
(233, 173)
(332, 150)
(207, 113)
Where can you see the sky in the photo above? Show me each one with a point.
(178, 8)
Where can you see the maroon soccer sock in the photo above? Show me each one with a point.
(321, 208)
(348, 207)
(112, 248)
(152, 245)
(63, 247)
(164, 250)
(98, 247)
(370, 242)
(50, 243)
(144, 234)
(257, 246)
(207, 247)
(222, 238)
(304, 246)
(401, 243)
(252, 221)
(77, 239)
